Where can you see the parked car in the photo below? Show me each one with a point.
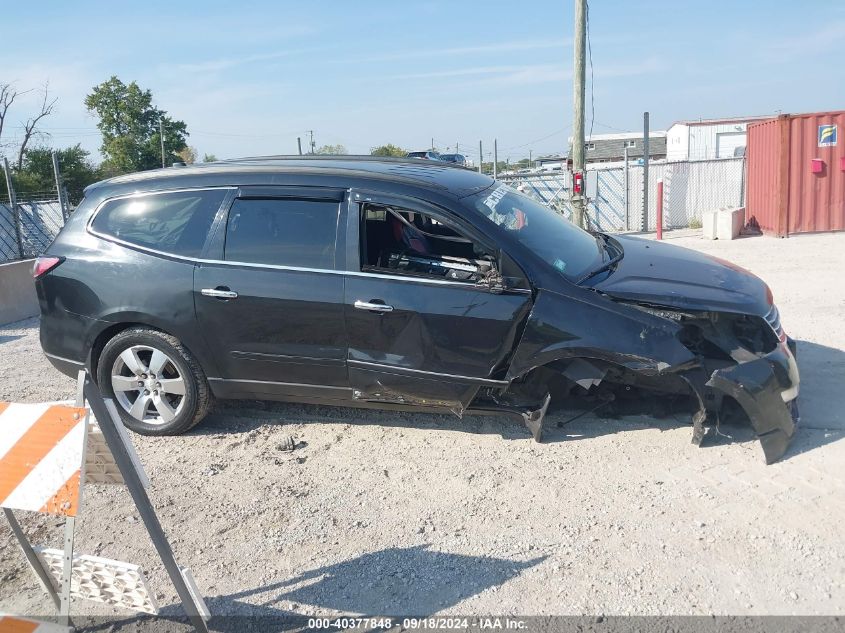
(427, 155)
(458, 159)
(376, 282)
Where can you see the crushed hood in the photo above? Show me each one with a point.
(662, 274)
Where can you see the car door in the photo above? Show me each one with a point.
(269, 296)
(418, 339)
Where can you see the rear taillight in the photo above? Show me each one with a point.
(44, 265)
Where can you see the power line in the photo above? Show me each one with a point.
(615, 129)
(563, 129)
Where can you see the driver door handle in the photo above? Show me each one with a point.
(219, 293)
(373, 307)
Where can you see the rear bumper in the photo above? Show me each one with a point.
(65, 339)
(65, 365)
(767, 389)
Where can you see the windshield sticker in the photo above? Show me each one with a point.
(494, 198)
(510, 217)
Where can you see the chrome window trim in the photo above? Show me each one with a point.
(275, 382)
(396, 369)
(220, 262)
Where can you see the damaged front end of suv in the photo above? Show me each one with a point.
(620, 322)
(744, 358)
(712, 363)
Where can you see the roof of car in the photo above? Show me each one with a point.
(413, 171)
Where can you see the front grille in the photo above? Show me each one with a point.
(773, 319)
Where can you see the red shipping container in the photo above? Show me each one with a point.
(786, 191)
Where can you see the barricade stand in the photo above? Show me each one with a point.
(47, 452)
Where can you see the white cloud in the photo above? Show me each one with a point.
(827, 39)
(525, 74)
(426, 51)
(225, 63)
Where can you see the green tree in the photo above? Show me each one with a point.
(388, 150)
(36, 173)
(130, 127)
(333, 150)
(209, 158)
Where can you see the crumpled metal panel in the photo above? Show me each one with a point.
(757, 387)
(561, 327)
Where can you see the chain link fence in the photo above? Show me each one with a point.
(615, 194)
(40, 223)
(31, 220)
(690, 188)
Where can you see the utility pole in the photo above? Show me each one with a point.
(457, 147)
(161, 136)
(313, 147)
(299, 144)
(645, 172)
(530, 160)
(578, 90)
(495, 157)
(432, 143)
(480, 157)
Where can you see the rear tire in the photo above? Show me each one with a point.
(157, 385)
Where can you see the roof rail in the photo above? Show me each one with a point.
(338, 157)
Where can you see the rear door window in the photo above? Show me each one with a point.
(282, 232)
(175, 222)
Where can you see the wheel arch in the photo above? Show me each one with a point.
(112, 328)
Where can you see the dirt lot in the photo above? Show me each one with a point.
(393, 513)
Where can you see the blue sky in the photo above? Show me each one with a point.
(249, 77)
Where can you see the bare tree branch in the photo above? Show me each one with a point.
(7, 98)
(29, 128)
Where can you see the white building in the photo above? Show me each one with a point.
(706, 139)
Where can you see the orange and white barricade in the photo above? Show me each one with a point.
(15, 624)
(47, 453)
(41, 449)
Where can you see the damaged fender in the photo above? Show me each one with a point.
(759, 387)
(561, 327)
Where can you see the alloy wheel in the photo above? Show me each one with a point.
(148, 384)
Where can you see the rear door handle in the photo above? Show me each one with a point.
(219, 293)
(373, 307)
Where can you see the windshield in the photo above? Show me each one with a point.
(571, 250)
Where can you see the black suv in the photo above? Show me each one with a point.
(393, 283)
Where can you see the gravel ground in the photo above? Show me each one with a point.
(379, 512)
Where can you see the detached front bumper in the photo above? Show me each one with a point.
(767, 389)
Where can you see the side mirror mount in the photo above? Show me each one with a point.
(492, 281)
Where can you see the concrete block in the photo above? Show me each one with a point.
(708, 224)
(723, 224)
(17, 292)
(729, 223)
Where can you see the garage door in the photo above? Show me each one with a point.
(727, 142)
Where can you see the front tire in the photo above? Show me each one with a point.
(157, 385)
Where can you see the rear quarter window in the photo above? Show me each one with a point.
(176, 222)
